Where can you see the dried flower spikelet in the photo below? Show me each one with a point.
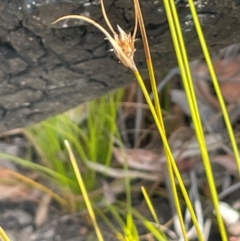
(122, 43)
(126, 42)
(126, 50)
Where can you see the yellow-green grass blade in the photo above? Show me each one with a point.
(113, 109)
(215, 82)
(158, 109)
(198, 126)
(84, 191)
(3, 235)
(152, 209)
(109, 223)
(185, 69)
(155, 229)
(117, 216)
(150, 206)
(148, 58)
(172, 165)
(129, 228)
(188, 84)
(131, 231)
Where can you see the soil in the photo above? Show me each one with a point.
(46, 70)
(23, 219)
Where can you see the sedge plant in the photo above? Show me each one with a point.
(123, 47)
(90, 140)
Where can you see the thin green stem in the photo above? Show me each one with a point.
(172, 165)
(215, 82)
(188, 84)
(84, 191)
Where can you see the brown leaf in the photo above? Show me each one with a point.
(226, 65)
(12, 189)
(227, 161)
(141, 159)
(14, 192)
(42, 211)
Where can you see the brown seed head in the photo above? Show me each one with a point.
(122, 43)
(126, 49)
(126, 42)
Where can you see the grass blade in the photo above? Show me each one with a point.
(188, 84)
(39, 186)
(215, 82)
(152, 210)
(84, 191)
(3, 235)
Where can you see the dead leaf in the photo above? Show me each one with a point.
(42, 211)
(140, 159)
(12, 189)
(14, 192)
(226, 161)
(226, 65)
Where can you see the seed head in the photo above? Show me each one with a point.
(126, 47)
(122, 43)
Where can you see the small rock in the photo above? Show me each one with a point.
(22, 217)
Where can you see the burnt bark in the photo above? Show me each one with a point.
(46, 70)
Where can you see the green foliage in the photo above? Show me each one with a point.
(91, 139)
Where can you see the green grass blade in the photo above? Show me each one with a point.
(154, 228)
(33, 166)
(152, 210)
(150, 206)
